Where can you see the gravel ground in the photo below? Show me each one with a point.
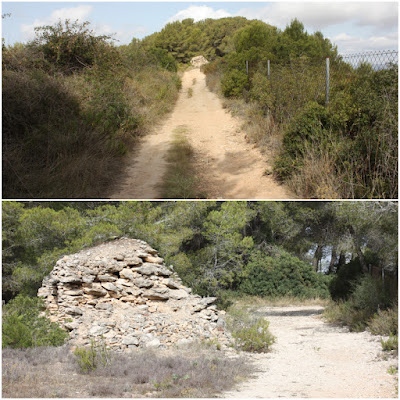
(314, 359)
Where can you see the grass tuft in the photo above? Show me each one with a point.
(180, 181)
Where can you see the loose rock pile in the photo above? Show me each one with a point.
(198, 61)
(122, 292)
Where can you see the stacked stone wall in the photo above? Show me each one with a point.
(123, 293)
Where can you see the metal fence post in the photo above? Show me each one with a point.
(268, 68)
(247, 67)
(327, 82)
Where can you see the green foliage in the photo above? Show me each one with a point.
(256, 35)
(186, 39)
(261, 248)
(90, 358)
(64, 133)
(250, 334)
(72, 46)
(254, 338)
(233, 83)
(360, 124)
(347, 150)
(343, 282)
(390, 344)
(282, 275)
(312, 125)
(24, 326)
(367, 297)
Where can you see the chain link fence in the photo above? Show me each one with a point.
(378, 60)
(345, 68)
(300, 80)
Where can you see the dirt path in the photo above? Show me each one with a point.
(228, 166)
(312, 359)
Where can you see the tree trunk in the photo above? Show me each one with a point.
(341, 262)
(357, 247)
(317, 257)
(333, 260)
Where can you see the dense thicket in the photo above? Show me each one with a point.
(73, 103)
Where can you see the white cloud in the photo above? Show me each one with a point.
(123, 35)
(353, 44)
(199, 13)
(80, 13)
(382, 15)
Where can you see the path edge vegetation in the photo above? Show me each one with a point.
(74, 104)
(101, 97)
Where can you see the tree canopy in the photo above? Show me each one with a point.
(213, 245)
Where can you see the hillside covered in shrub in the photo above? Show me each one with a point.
(73, 104)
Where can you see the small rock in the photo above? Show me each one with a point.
(106, 278)
(126, 273)
(153, 343)
(73, 311)
(130, 340)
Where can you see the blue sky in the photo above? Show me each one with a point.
(352, 26)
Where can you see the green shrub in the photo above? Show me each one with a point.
(64, 134)
(390, 344)
(358, 131)
(254, 338)
(385, 322)
(250, 333)
(233, 83)
(90, 358)
(367, 297)
(72, 46)
(23, 326)
(342, 283)
(312, 125)
(282, 275)
(344, 313)
(368, 294)
(52, 146)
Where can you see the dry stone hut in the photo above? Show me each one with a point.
(198, 61)
(122, 292)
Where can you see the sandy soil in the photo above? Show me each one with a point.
(313, 359)
(228, 166)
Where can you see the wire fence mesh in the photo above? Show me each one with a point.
(346, 67)
(378, 60)
(301, 80)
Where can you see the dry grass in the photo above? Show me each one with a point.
(65, 136)
(53, 372)
(317, 178)
(254, 302)
(180, 180)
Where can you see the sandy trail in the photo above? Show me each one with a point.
(228, 166)
(312, 359)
